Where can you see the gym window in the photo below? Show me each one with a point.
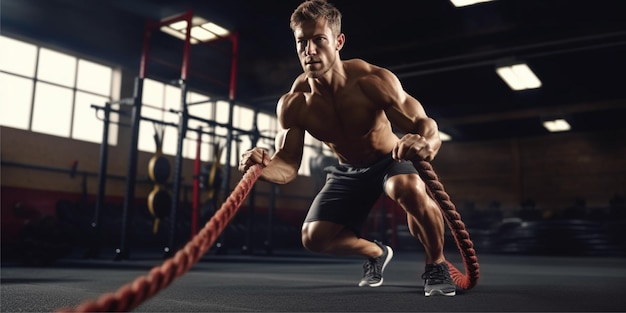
(159, 98)
(47, 91)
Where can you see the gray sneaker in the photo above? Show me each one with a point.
(373, 268)
(437, 280)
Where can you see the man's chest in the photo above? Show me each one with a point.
(339, 118)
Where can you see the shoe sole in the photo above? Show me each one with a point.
(437, 292)
(389, 256)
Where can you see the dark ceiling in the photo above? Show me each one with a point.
(444, 56)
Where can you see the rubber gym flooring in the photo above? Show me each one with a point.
(297, 281)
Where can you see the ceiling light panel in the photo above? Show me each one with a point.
(519, 77)
(464, 3)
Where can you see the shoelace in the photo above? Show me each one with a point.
(371, 269)
(435, 273)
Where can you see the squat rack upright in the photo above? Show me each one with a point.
(123, 251)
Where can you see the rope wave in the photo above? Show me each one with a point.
(131, 295)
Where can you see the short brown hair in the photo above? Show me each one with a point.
(311, 10)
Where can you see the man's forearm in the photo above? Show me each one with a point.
(279, 171)
(429, 130)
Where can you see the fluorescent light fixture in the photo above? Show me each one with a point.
(201, 30)
(519, 77)
(558, 125)
(202, 34)
(444, 137)
(178, 34)
(179, 26)
(215, 29)
(463, 3)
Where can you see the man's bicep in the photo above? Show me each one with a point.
(286, 161)
(290, 144)
(406, 114)
(279, 141)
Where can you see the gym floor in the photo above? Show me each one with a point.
(297, 281)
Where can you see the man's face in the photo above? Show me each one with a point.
(317, 47)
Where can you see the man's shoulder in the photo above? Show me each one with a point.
(291, 97)
(289, 108)
(298, 88)
(292, 100)
(358, 65)
(299, 85)
(360, 69)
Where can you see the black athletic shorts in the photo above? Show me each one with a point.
(350, 192)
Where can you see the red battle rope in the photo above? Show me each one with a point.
(131, 295)
(134, 293)
(457, 228)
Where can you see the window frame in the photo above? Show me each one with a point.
(36, 91)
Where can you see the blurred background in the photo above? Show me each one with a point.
(120, 133)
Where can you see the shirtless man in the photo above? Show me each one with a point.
(351, 106)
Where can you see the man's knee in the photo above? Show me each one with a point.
(407, 188)
(319, 236)
(310, 241)
(409, 191)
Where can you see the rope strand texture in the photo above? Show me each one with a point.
(457, 228)
(136, 292)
